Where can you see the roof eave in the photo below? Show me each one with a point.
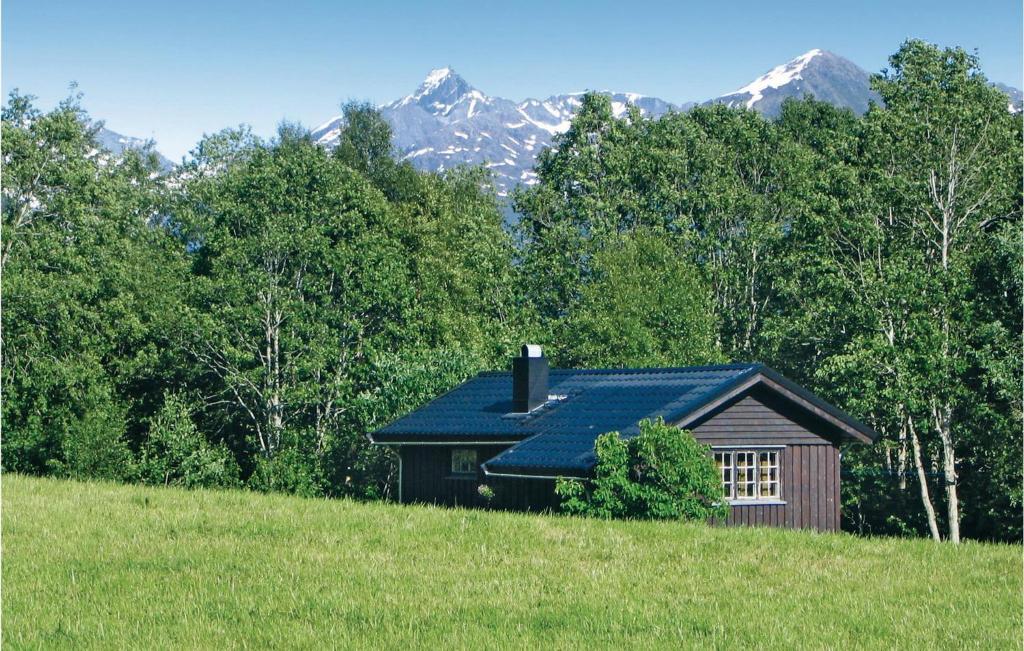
(534, 473)
(413, 438)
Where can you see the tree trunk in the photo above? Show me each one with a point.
(278, 413)
(268, 384)
(922, 478)
(943, 418)
(901, 458)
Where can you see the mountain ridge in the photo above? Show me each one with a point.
(446, 121)
(117, 143)
(823, 74)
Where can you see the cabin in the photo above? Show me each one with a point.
(776, 445)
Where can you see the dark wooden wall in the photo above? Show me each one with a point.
(524, 494)
(427, 477)
(427, 474)
(810, 462)
(810, 490)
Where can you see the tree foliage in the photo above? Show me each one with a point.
(89, 293)
(175, 453)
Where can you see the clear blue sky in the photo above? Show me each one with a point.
(172, 70)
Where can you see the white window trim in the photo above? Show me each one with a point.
(757, 500)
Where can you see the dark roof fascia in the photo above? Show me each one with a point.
(723, 394)
(536, 472)
(829, 412)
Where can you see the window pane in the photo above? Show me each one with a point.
(745, 475)
(749, 474)
(768, 474)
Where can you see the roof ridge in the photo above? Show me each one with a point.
(734, 366)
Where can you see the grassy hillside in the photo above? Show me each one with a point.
(103, 566)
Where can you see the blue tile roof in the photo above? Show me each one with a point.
(558, 437)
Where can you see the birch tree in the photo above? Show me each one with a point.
(298, 275)
(954, 151)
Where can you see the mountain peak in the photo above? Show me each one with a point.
(826, 76)
(436, 76)
(439, 91)
(777, 77)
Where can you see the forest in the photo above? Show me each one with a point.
(245, 319)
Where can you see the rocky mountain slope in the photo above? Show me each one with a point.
(116, 144)
(447, 122)
(826, 76)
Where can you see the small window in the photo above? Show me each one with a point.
(749, 475)
(463, 461)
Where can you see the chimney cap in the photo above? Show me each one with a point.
(532, 350)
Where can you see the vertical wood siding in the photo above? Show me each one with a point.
(810, 490)
(427, 474)
(810, 461)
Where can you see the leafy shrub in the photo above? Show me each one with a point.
(94, 446)
(288, 471)
(91, 438)
(176, 454)
(661, 474)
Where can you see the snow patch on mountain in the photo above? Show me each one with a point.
(776, 77)
(822, 74)
(117, 144)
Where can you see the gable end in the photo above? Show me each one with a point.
(789, 400)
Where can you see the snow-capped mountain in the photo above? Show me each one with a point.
(447, 122)
(1015, 96)
(826, 76)
(116, 144)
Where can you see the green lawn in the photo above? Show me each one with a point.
(91, 565)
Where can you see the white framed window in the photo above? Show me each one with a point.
(749, 474)
(463, 461)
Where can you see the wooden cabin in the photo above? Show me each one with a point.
(777, 445)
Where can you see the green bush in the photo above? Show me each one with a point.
(92, 438)
(94, 447)
(661, 474)
(288, 471)
(176, 454)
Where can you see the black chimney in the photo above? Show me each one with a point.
(529, 379)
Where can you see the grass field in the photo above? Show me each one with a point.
(90, 565)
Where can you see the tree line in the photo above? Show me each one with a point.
(245, 319)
